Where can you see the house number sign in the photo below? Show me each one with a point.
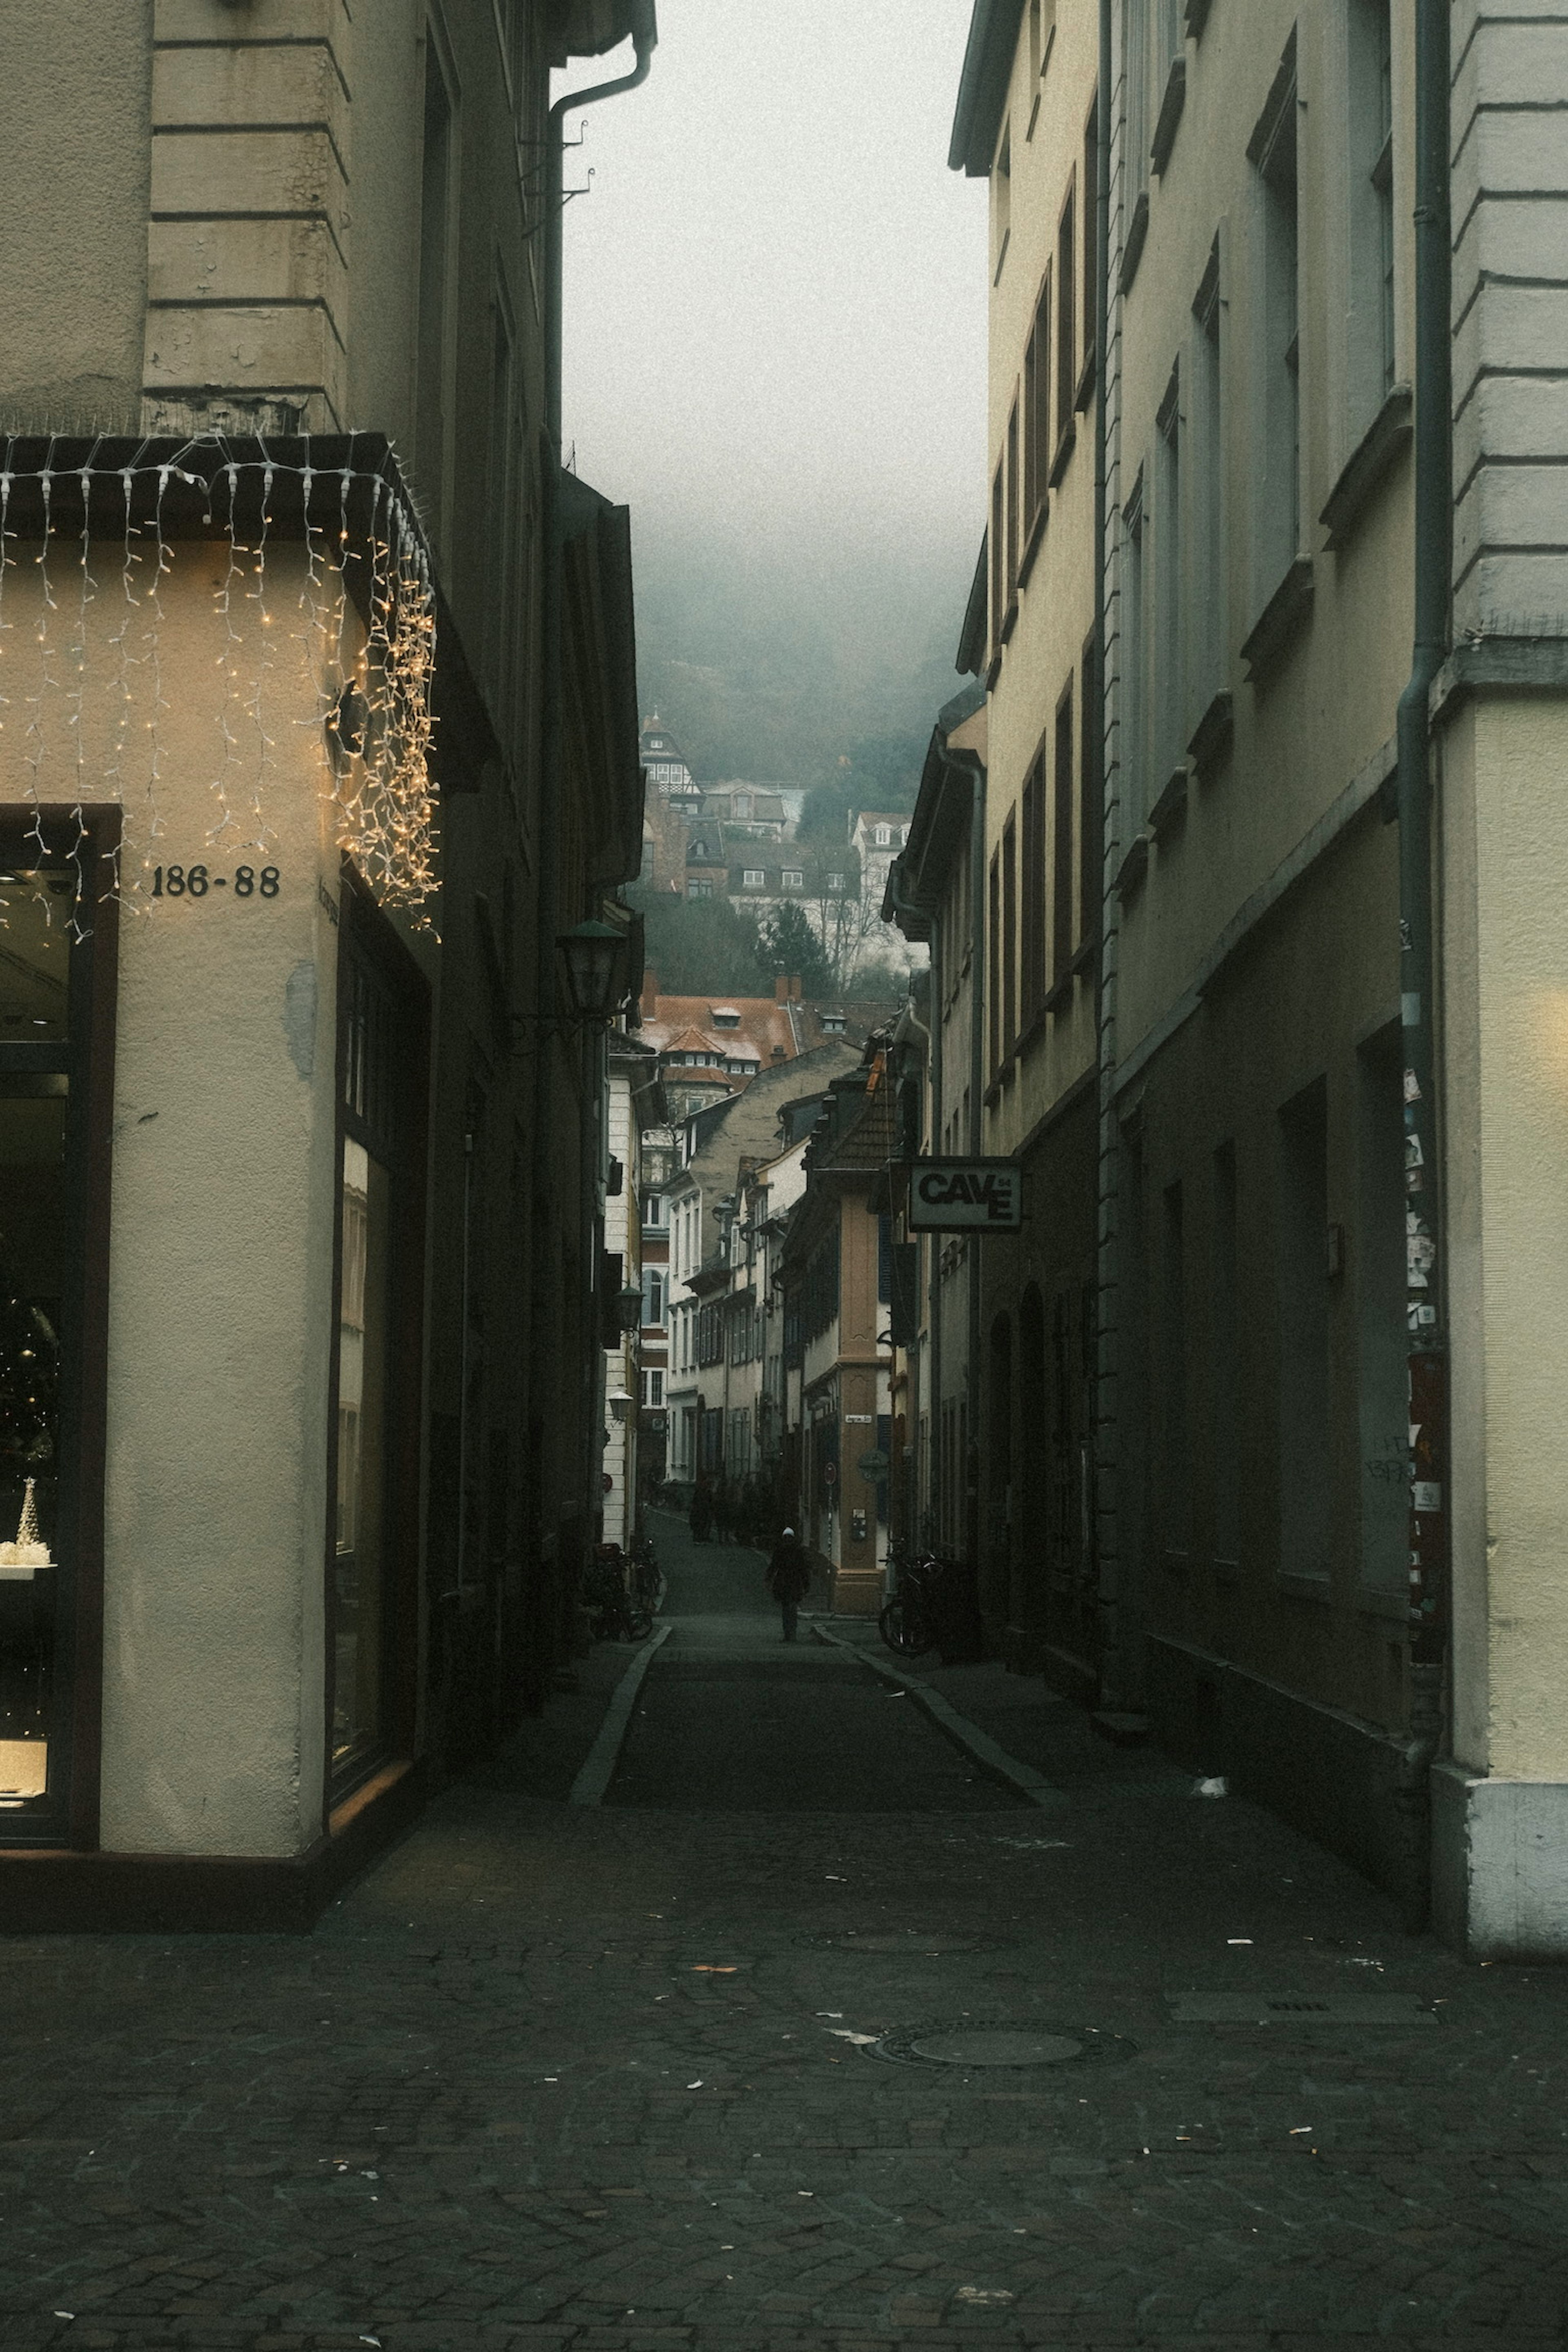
(195, 881)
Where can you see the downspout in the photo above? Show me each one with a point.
(644, 36)
(1425, 1307)
(1107, 1562)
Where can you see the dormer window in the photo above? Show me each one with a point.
(884, 836)
(724, 1016)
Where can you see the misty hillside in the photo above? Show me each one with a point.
(780, 670)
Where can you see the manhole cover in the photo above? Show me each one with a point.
(970, 2041)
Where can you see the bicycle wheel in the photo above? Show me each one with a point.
(899, 1627)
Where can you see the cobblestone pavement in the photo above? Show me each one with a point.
(587, 2078)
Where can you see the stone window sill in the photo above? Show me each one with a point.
(1171, 107)
(1172, 804)
(1133, 866)
(1371, 459)
(1277, 626)
(1137, 235)
(1032, 544)
(1213, 734)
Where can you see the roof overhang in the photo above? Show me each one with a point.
(588, 28)
(982, 86)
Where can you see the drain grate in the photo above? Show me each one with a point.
(973, 2043)
(1300, 2009)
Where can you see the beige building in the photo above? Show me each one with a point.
(835, 1281)
(1001, 872)
(310, 756)
(1318, 1004)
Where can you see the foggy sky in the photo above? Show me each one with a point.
(776, 296)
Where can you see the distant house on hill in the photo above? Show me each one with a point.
(710, 1047)
(673, 799)
(669, 773)
(763, 874)
(749, 809)
(876, 836)
(707, 866)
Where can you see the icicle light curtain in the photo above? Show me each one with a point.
(101, 518)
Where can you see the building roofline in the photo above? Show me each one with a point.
(982, 86)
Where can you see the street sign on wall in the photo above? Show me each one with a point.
(965, 1196)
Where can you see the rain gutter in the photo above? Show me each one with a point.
(552, 728)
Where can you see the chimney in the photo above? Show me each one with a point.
(650, 994)
(794, 987)
(780, 990)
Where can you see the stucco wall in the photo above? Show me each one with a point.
(73, 256)
(1506, 860)
(1047, 116)
(1314, 716)
(221, 1240)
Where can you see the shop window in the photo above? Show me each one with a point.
(374, 1561)
(52, 1166)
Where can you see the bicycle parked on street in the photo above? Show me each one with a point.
(616, 1612)
(647, 1578)
(908, 1621)
(933, 1607)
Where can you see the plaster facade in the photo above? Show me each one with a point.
(255, 229)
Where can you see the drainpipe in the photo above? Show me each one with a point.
(1425, 1312)
(644, 36)
(1106, 1563)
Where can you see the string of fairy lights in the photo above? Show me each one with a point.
(370, 658)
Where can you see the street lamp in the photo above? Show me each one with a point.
(591, 955)
(631, 1309)
(620, 1403)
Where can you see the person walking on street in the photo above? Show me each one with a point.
(789, 1578)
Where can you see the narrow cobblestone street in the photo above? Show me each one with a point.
(595, 2078)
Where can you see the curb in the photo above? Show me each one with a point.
(589, 1786)
(977, 1744)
